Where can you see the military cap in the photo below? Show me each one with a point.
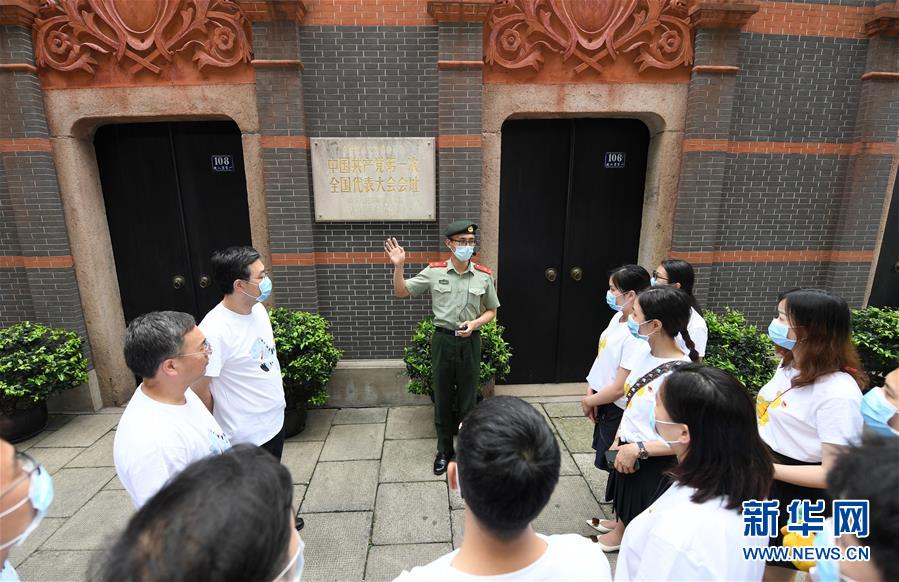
(460, 227)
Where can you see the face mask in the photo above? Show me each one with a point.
(877, 412)
(463, 253)
(298, 562)
(825, 570)
(634, 328)
(652, 425)
(40, 495)
(778, 334)
(610, 301)
(265, 289)
(654, 282)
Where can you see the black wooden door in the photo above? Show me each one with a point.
(571, 202)
(174, 192)
(885, 292)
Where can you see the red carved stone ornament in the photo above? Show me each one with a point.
(656, 33)
(140, 36)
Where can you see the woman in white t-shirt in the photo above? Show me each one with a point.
(604, 401)
(809, 413)
(640, 458)
(679, 274)
(694, 531)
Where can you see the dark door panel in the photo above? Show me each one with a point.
(885, 292)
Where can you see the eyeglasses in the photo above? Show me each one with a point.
(464, 242)
(207, 349)
(29, 466)
(656, 275)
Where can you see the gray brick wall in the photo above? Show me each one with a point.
(461, 41)
(461, 98)
(15, 44)
(29, 179)
(460, 185)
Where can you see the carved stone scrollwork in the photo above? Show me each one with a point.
(655, 33)
(71, 34)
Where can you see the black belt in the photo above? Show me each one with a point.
(450, 331)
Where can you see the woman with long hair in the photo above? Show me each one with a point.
(640, 458)
(809, 412)
(679, 274)
(604, 402)
(694, 531)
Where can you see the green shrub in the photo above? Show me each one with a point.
(875, 333)
(495, 356)
(740, 348)
(37, 361)
(306, 353)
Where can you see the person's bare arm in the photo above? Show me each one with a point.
(201, 389)
(397, 256)
(810, 475)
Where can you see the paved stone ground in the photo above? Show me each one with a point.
(363, 482)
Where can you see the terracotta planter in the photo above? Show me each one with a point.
(24, 424)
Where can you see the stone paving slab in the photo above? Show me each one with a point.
(353, 442)
(564, 409)
(564, 398)
(567, 465)
(411, 422)
(409, 460)
(43, 532)
(300, 458)
(27, 444)
(73, 488)
(55, 566)
(98, 454)
(571, 503)
(318, 423)
(409, 513)
(360, 415)
(336, 545)
(539, 408)
(577, 433)
(114, 485)
(596, 479)
(342, 486)
(95, 525)
(455, 498)
(56, 458)
(299, 492)
(57, 421)
(387, 562)
(82, 431)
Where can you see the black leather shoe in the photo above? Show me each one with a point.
(440, 463)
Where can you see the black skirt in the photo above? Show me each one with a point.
(634, 492)
(786, 493)
(608, 417)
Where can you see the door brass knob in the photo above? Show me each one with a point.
(550, 274)
(205, 281)
(178, 282)
(577, 273)
(896, 267)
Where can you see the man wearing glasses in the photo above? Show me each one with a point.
(165, 426)
(26, 491)
(463, 298)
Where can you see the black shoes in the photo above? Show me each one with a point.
(440, 463)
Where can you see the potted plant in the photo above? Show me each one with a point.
(307, 356)
(36, 361)
(495, 356)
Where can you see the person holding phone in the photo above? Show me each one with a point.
(463, 298)
(604, 402)
(640, 458)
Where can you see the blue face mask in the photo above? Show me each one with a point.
(778, 334)
(265, 289)
(654, 282)
(610, 301)
(652, 425)
(634, 328)
(40, 495)
(825, 570)
(463, 253)
(877, 412)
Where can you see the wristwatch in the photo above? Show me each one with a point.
(643, 454)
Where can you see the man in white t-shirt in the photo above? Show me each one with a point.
(506, 468)
(242, 386)
(165, 426)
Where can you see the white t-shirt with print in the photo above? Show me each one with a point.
(797, 423)
(699, 333)
(617, 349)
(567, 557)
(635, 421)
(154, 441)
(246, 377)
(677, 539)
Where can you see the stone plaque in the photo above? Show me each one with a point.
(378, 178)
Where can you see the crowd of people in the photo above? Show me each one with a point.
(685, 445)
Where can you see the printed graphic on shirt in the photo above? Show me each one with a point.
(640, 392)
(264, 354)
(763, 407)
(602, 346)
(218, 442)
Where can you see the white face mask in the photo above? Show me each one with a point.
(40, 495)
(297, 563)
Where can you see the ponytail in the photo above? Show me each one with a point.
(694, 355)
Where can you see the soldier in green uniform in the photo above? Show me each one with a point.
(463, 297)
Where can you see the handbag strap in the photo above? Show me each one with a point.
(648, 377)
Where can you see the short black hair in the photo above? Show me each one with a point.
(671, 306)
(231, 264)
(630, 278)
(154, 337)
(726, 456)
(225, 518)
(680, 271)
(508, 464)
(871, 471)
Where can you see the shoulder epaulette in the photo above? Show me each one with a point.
(483, 269)
(437, 264)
